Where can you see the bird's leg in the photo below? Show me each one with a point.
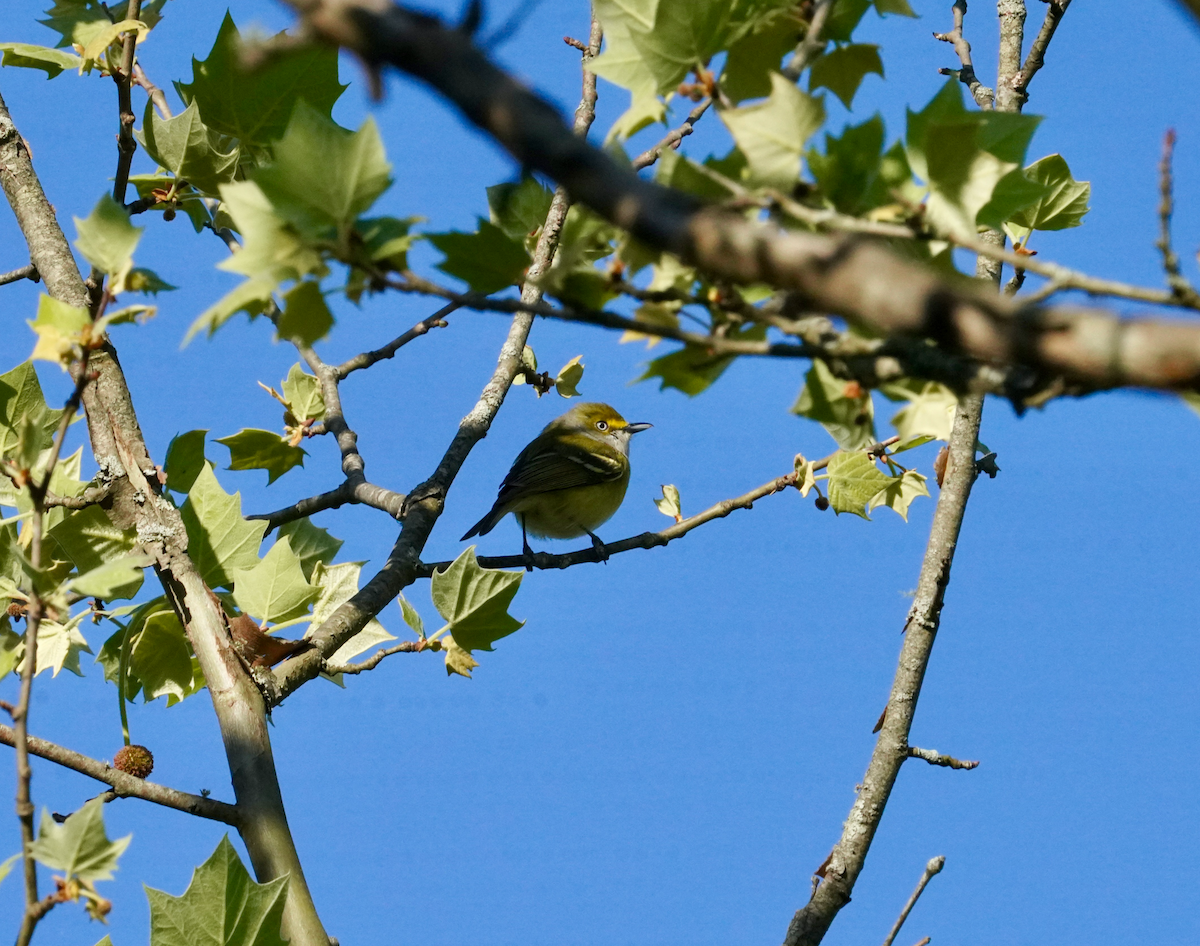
(598, 545)
(525, 549)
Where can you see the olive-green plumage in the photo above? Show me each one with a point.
(570, 479)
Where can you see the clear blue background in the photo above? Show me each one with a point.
(667, 750)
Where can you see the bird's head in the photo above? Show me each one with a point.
(600, 421)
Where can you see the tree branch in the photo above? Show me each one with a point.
(406, 647)
(124, 784)
(673, 138)
(812, 45)
(984, 97)
(1037, 52)
(126, 145)
(1181, 289)
(350, 492)
(368, 358)
(25, 272)
(933, 757)
(933, 868)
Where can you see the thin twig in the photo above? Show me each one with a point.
(357, 491)
(25, 272)
(126, 145)
(932, 868)
(368, 358)
(651, 540)
(1037, 52)
(156, 94)
(673, 138)
(984, 97)
(933, 757)
(1180, 287)
(407, 647)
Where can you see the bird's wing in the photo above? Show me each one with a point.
(561, 466)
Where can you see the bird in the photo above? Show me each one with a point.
(569, 480)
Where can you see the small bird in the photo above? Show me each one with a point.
(570, 480)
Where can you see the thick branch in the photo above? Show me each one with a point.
(124, 784)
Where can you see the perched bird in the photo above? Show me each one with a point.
(569, 480)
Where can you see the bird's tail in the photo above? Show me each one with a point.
(487, 523)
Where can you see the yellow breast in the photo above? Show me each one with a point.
(570, 513)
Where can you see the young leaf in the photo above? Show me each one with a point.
(336, 585)
(1065, 201)
(59, 646)
(119, 578)
(79, 847)
(854, 480)
(474, 601)
(62, 330)
(253, 449)
(28, 56)
(411, 617)
(686, 33)
(254, 105)
(669, 504)
(843, 408)
(306, 317)
(162, 659)
(188, 148)
(185, 460)
(147, 281)
(302, 394)
(222, 905)
(693, 369)
(312, 544)
(929, 412)
(569, 376)
(842, 70)
(900, 492)
(486, 260)
(772, 134)
(219, 539)
(753, 57)
(78, 21)
(275, 588)
(106, 237)
(519, 208)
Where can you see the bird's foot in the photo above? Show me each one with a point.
(598, 545)
(528, 553)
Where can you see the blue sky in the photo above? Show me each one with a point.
(668, 748)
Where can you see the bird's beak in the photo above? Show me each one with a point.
(638, 428)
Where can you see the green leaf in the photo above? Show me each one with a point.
(120, 578)
(929, 412)
(772, 134)
(275, 588)
(188, 148)
(90, 538)
(185, 460)
(21, 397)
(254, 104)
(11, 647)
(899, 7)
(302, 392)
(311, 543)
(323, 176)
(693, 369)
(677, 171)
(337, 584)
(900, 492)
(569, 376)
(486, 260)
(252, 297)
(1065, 201)
(853, 174)
(271, 248)
(386, 240)
(758, 53)
(253, 449)
(411, 617)
(28, 56)
(147, 281)
(79, 21)
(519, 208)
(79, 847)
(222, 906)
(854, 480)
(686, 33)
(669, 504)
(1013, 193)
(842, 70)
(844, 18)
(186, 199)
(161, 659)
(306, 317)
(59, 646)
(61, 330)
(106, 237)
(474, 602)
(219, 539)
(843, 408)
(7, 865)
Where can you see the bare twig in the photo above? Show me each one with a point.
(406, 647)
(932, 868)
(1180, 287)
(651, 540)
(126, 145)
(368, 358)
(155, 93)
(124, 784)
(673, 138)
(984, 97)
(350, 492)
(1037, 52)
(933, 757)
(25, 272)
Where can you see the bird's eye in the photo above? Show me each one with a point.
(602, 425)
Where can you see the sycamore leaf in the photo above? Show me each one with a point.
(161, 659)
(59, 646)
(324, 176)
(458, 660)
(519, 208)
(147, 281)
(306, 317)
(411, 616)
(843, 408)
(772, 134)
(486, 260)
(669, 504)
(806, 477)
(569, 376)
(302, 394)
(842, 70)
(253, 105)
(693, 369)
(273, 589)
(1065, 201)
(271, 247)
(900, 492)
(79, 847)
(685, 35)
(222, 905)
(758, 53)
(185, 460)
(62, 330)
(107, 239)
(188, 148)
(219, 539)
(119, 578)
(312, 544)
(387, 240)
(337, 584)
(253, 449)
(78, 21)
(108, 34)
(21, 397)
(929, 412)
(28, 56)
(12, 645)
(854, 480)
(474, 601)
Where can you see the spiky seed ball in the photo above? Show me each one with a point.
(136, 760)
